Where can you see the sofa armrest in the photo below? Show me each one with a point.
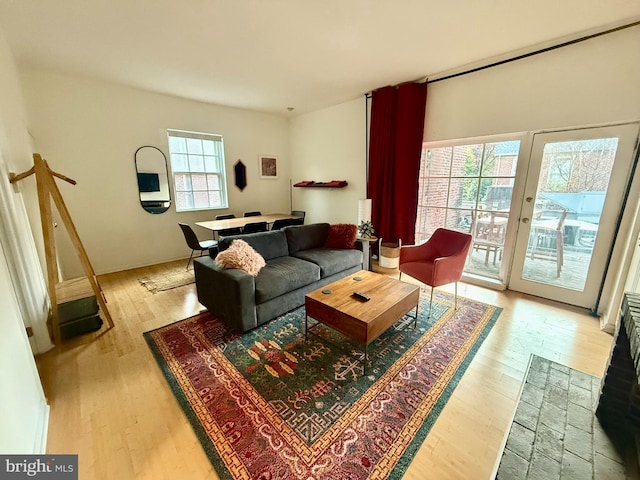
(229, 294)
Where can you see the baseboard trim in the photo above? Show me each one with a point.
(40, 440)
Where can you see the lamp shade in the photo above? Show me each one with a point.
(364, 210)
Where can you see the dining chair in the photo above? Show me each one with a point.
(227, 232)
(299, 214)
(193, 242)
(255, 227)
(488, 230)
(257, 213)
(438, 261)
(548, 242)
(281, 223)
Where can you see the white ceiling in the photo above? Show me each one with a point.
(268, 55)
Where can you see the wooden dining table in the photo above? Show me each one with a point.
(239, 222)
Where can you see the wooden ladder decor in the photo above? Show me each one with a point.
(47, 189)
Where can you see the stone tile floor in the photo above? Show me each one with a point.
(555, 434)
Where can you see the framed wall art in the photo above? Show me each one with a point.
(268, 166)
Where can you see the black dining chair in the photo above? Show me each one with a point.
(299, 214)
(227, 232)
(281, 223)
(193, 242)
(253, 214)
(255, 227)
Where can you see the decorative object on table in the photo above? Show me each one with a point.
(153, 179)
(240, 173)
(364, 210)
(365, 229)
(308, 398)
(268, 166)
(331, 184)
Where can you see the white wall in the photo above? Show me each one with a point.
(327, 145)
(592, 82)
(23, 409)
(89, 131)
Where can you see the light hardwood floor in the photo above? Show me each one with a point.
(111, 405)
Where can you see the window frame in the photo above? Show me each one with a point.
(497, 281)
(447, 206)
(215, 158)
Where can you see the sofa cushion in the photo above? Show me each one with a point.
(282, 275)
(331, 261)
(341, 235)
(241, 255)
(271, 244)
(305, 237)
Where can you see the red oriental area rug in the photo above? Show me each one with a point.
(268, 404)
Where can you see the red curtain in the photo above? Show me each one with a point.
(395, 139)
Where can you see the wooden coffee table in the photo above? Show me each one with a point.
(390, 300)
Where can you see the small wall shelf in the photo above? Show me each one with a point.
(331, 184)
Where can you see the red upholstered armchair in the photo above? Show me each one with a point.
(438, 261)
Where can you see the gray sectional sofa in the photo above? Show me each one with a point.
(296, 264)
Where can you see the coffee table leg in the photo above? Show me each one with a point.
(306, 327)
(415, 322)
(366, 356)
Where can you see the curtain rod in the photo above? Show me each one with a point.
(535, 52)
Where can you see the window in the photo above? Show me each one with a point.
(468, 187)
(198, 167)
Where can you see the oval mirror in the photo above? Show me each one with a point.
(153, 179)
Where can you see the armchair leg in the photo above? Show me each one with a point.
(455, 303)
(430, 303)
